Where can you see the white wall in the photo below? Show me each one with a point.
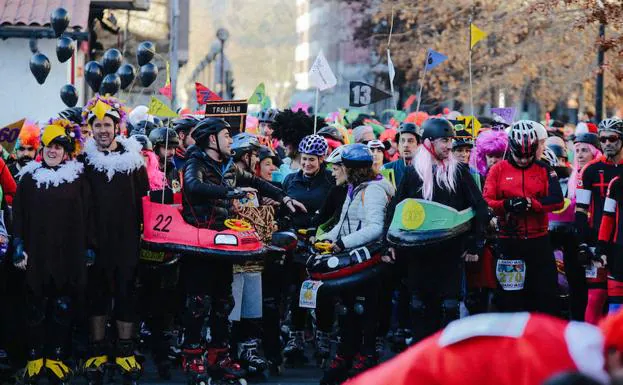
(20, 94)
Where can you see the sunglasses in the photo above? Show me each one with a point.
(611, 139)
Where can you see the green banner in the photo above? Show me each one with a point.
(423, 215)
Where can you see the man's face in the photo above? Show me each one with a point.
(224, 143)
(442, 148)
(523, 162)
(266, 129)
(187, 140)
(462, 153)
(407, 146)
(103, 131)
(169, 153)
(86, 131)
(25, 153)
(610, 143)
(250, 160)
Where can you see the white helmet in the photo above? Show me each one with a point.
(336, 155)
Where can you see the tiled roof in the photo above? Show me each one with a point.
(37, 12)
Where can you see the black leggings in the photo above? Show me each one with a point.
(575, 272)
(358, 320)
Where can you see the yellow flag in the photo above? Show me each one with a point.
(156, 107)
(472, 124)
(476, 35)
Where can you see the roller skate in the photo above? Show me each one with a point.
(194, 365)
(294, 352)
(34, 367)
(337, 372)
(222, 369)
(94, 367)
(361, 363)
(58, 372)
(126, 362)
(251, 360)
(379, 347)
(323, 348)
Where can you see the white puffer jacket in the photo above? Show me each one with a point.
(363, 213)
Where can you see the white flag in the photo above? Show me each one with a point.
(392, 75)
(321, 75)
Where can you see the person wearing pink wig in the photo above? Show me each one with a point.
(490, 148)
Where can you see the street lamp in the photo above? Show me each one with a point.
(222, 34)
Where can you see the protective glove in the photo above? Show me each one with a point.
(586, 254)
(18, 252)
(235, 194)
(516, 205)
(90, 257)
(600, 254)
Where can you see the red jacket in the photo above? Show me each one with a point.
(537, 182)
(500, 349)
(9, 187)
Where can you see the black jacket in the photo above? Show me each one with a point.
(311, 191)
(207, 183)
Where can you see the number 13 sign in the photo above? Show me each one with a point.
(362, 94)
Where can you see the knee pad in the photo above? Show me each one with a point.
(359, 307)
(36, 313)
(417, 306)
(62, 311)
(197, 306)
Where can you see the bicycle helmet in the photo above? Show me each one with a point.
(331, 132)
(435, 128)
(587, 137)
(549, 157)
(357, 156)
(243, 143)
(376, 144)
(185, 124)
(267, 116)
(265, 152)
(207, 127)
(558, 150)
(73, 114)
(158, 137)
(522, 138)
(144, 127)
(144, 140)
(611, 124)
(409, 128)
(313, 145)
(336, 156)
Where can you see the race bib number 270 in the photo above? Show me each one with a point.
(511, 274)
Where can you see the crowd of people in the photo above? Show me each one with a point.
(415, 223)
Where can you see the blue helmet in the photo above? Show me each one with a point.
(357, 156)
(313, 145)
(243, 143)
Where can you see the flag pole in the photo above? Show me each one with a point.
(316, 111)
(419, 94)
(471, 87)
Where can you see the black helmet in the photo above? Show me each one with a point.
(158, 137)
(587, 137)
(409, 128)
(73, 114)
(435, 128)
(185, 124)
(207, 127)
(463, 139)
(144, 140)
(331, 132)
(558, 150)
(267, 116)
(265, 152)
(158, 122)
(144, 127)
(357, 156)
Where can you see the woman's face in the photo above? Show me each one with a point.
(377, 156)
(583, 154)
(339, 173)
(493, 159)
(53, 154)
(267, 168)
(310, 164)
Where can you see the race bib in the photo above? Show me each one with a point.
(511, 273)
(309, 294)
(591, 271)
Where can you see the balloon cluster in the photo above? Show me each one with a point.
(110, 76)
(106, 78)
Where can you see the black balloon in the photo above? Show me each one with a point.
(64, 48)
(69, 95)
(147, 74)
(93, 74)
(145, 52)
(110, 84)
(59, 21)
(126, 73)
(40, 67)
(112, 60)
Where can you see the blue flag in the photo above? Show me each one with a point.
(433, 59)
